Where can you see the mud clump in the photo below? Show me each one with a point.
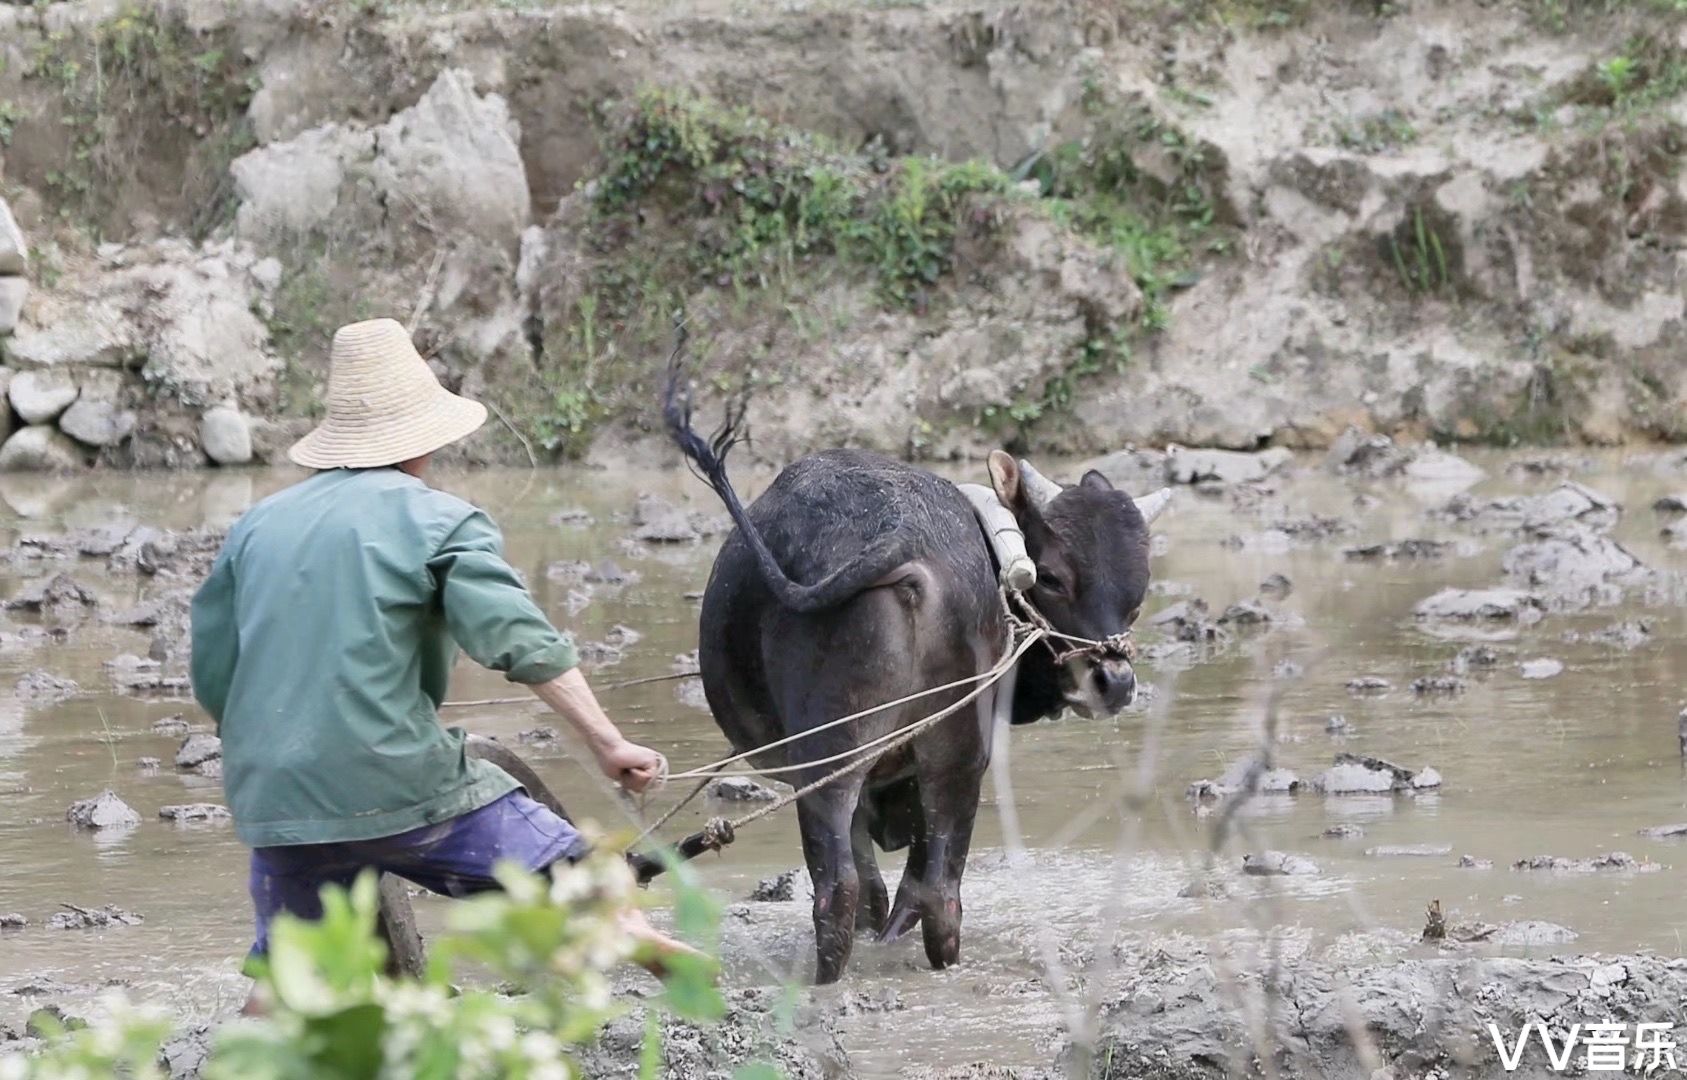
(1610, 862)
(198, 749)
(103, 811)
(81, 918)
(739, 789)
(192, 812)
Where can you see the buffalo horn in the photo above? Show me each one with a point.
(1152, 505)
(1040, 488)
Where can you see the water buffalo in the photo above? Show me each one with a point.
(855, 580)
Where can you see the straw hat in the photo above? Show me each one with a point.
(384, 404)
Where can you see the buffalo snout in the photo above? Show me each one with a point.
(1115, 684)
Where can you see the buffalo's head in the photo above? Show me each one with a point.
(1090, 544)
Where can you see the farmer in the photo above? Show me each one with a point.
(323, 642)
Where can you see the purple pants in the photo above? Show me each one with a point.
(453, 858)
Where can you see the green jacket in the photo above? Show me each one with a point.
(322, 645)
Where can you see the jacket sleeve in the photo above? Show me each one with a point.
(489, 611)
(215, 638)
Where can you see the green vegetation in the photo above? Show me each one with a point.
(774, 195)
(1419, 256)
(1559, 15)
(131, 88)
(770, 216)
(1375, 133)
(335, 1014)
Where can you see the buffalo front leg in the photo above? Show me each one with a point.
(825, 818)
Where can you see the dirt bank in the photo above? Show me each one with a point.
(941, 227)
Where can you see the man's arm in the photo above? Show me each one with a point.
(493, 617)
(216, 642)
(632, 766)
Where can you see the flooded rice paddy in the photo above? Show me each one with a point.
(1572, 764)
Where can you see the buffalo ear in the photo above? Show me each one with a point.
(1005, 478)
(1095, 481)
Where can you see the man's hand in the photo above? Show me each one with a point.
(632, 766)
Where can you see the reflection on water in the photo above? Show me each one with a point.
(1569, 765)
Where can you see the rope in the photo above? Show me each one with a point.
(865, 754)
(985, 681)
(527, 699)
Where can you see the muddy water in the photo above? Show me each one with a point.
(1570, 766)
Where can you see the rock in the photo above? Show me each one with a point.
(572, 516)
(1360, 452)
(13, 921)
(1276, 587)
(59, 592)
(544, 733)
(1337, 724)
(175, 726)
(1399, 551)
(210, 770)
(95, 418)
(143, 675)
(1533, 932)
(1613, 861)
(185, 1054)
(103, 811)
(1472, 657)
(1671, 504)
(1471, 862)
(50, 1021)
(40, 687)
(1481, 605)
(14, 249)
(1542, 668)
(198, 749)
(1574, 567)
(611, 574)
(41, 449)
(1130, 469)
(147, 764)
(455, 157)
(1357, 774)
(1675, 535)
(1244, 775)
(1287, 669)
(778, 888)
(1627, 635)
(1567, 504)
(1245, 613)
(1278, 864)
(80, 918)
(200, 340)
(1409, 851)
(13, 292)
(1205, 888)
(1353, 780)
(226, 435)
(1223, 466)
(1664, 832)
(658, 521)
(1437, 684)
(195, 812)
(1440, 470)
(1187, 620)
(1369, 684)
(690, 693)
(39, 397)
(1344, 831)
(739, 789)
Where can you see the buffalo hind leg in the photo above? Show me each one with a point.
(825, 818)
(875, 899)
(950, 809)
(905, 913)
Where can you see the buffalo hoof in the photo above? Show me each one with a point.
(901, 921)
